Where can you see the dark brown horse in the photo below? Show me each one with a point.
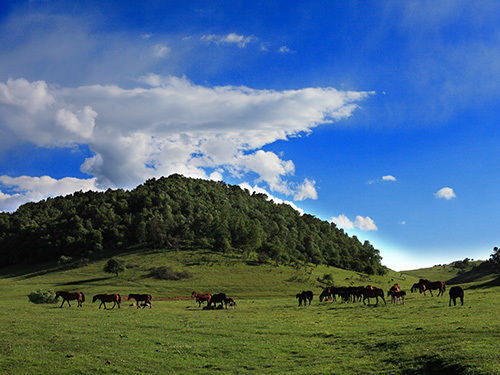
(229, 301)
(456, 292)
(325, 295)
(432, 285)
(67, 296)
(304, 297)
(144, 298)
(373, 293)
(417, 287)
(200, 298)
(115, 298)
(217, 298)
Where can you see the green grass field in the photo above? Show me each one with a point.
(267, 333)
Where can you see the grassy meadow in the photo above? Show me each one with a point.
(267, 332)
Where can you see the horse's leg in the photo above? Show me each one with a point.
(62, 303)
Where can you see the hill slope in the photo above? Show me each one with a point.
(178, 213)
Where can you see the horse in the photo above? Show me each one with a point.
(67, 296)
(418, 287)
(397, 295)
(217, 298)
(229, 301)
(325, 295)
(456, 292)
(145, 298)
(430, 285)
(373, 293)
(304, 297)
(115, 298)
(200, 298)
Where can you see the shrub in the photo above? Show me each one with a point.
(167, 273)
(64, 260)
(43, 296)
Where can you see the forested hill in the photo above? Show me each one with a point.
(178, 212)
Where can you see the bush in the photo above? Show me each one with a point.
(43, 296)
(167, 273)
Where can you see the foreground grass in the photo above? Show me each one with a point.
(265, 335)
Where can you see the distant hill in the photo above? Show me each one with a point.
(178, 213)
(461, 272)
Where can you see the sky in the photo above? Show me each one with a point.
(379, 116)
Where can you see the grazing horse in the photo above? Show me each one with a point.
(397, 295)
(432, 285)
(145, 298)
(373, 293)
(325, 295)
(67, 296)
(200, 298)
(115, 298)
(229, 301)
(304, 297)
(418, 287)
(217, 298)
(456, 292)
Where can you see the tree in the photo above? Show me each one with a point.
(114, 266)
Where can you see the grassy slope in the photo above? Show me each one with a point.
(261, 335)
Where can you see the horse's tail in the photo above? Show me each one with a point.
(119, 298)
(444, 287)
(83, 296)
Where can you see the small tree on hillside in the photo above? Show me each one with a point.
(114, 266)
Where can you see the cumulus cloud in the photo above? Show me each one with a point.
(170, 125)
(306, 191)
(362, 223)
(445, 193)
(27, 189)
(240, 40)
(388, 178)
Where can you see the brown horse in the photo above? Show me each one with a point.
(115, 298)
(432, 285)
(418, 287)
(144, 298)
(396, 294)
(456, 292)
(229, 301)
(67, 296)
(200, 298)
(373, 293)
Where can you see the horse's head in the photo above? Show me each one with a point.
(194, 294)
(95, 298)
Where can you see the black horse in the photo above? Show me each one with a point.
(456, 292)
(217, 298)
(304, 297)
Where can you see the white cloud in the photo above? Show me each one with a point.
(231, 38)
(306, 191)
(171, 126)
(343, 221)
(160, 50)
(388, 178)
(446, 193)
(363, 223)
(30, 189)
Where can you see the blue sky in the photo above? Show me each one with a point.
(379, 116)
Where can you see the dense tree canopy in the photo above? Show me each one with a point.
(178, 212)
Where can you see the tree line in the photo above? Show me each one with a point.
(176, 212)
